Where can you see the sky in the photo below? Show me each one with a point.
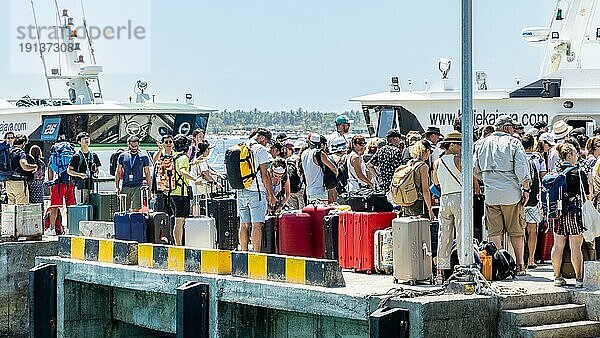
(281, 55)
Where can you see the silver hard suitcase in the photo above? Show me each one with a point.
(412, 250)
(200, 231)
(383, 255)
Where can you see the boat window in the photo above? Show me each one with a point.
(386, 120)
(71, 125)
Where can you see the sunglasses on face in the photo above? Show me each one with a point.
(10, 138)
(168, 142)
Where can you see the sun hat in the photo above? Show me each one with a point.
(452, 137)
(561, 129)
(433, 130)
(393, 133)
(547, 137)
(504, 120)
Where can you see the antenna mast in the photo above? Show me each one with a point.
(37, 30)
(87, 35)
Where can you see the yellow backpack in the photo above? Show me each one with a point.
(239, 163)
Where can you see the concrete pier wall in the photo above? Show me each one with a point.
(16, 258)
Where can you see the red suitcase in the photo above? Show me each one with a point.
(364, 231)
(346, 239)
(294, 234)
(317, 224)
(544, 244)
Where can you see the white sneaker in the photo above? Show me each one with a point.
(50, 232)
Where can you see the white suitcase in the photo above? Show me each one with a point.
(97, 229)
(383, 256)
(200, 231)
(412, 249)
(22, 220)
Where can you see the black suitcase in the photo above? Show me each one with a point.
(369, 200)
(331, 236)
(269, 234)
(224, 211)
(104, 206)
(158, 228)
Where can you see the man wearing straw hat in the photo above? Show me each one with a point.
(447, 173)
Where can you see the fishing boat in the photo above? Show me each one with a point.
(568, 87)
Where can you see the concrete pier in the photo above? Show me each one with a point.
(16, 258)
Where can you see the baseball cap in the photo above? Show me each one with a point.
(548, 137)
(314, 138)
(343, 119)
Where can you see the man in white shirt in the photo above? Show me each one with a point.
(501, 163)
(337, 141)
(254, 202)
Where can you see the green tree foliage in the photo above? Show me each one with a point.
(292, 120)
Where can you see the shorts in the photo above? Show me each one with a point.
(181, 205)
(250, 207)
(533, 215)
(62, 193)
(505, 218)
(17, 192)
(134, 197)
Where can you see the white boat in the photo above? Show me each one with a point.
(81, 107)
(568, 87)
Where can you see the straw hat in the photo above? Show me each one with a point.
(561, 129)
(452, 137)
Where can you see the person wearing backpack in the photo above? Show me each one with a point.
(447, 171)
(163, 162)
(410, 183)
(314, 160)
(83, 167)
(569, 224)
(62, 189)
(387, 159)
(181, 195)
(500, 161)
(255, 200)
(296, 178)
(16, 186)
(533, 216)
(134, 167)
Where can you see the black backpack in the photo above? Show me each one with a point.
(330, 181)
(535, 183)
(342, 177)
(295, 176)
(503, 264)
(114, 159)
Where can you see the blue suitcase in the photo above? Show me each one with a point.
(77, 213)
(122, 226)
(137, 223)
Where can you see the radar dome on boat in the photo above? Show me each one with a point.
(535, 34)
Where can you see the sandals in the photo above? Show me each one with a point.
(521, 270)
(532, 266)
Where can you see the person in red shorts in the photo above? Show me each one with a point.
(61, 192)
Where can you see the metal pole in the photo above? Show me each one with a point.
(467, 133)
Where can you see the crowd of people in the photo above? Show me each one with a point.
(508, 164)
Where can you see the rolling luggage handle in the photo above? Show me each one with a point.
(426, 251)
(122, 204)
(145, 197)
